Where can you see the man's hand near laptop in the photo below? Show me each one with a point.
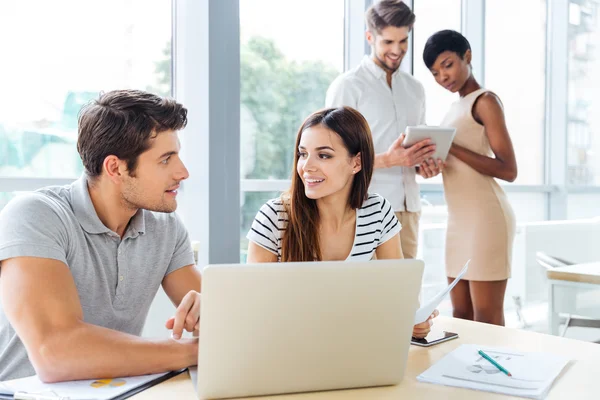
(41, 300)
(187, 316)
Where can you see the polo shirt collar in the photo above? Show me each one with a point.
(137, 225)
(84, 208)
(88, 218)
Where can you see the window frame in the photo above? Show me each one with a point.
(211, 204)
(473, 26)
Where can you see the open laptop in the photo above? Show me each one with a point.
(298, 327)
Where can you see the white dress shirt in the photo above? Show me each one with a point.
(388, 111)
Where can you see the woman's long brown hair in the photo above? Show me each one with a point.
(300, 241)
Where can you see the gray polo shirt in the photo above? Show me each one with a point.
(116, 278)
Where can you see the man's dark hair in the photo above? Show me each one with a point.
(446, 40)
(389, 13)
(122, 123)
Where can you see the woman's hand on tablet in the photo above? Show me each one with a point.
(430, 168)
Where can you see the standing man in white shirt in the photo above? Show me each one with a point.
(390, 100)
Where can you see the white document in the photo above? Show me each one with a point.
(99, 389)
(424, 312)
(194, 377)
(532, 373)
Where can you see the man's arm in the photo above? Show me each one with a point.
(182, 284)
(183, 288)
(41, 301)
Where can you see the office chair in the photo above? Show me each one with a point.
(549, 263)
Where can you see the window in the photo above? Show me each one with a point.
(433, 16)
(515, 69)
(287, 64)
(64, 53)
(286, 68)
(253, 201)
(583, 205)
(583, 119)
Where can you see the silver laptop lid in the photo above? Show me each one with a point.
(296, 327)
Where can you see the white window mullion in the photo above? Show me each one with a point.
(408, 60)
(556, 106)
(207, 82)
(473, 28)
(355, 42)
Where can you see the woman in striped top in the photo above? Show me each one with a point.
(328, 214)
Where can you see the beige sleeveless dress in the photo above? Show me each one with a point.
(481, 222)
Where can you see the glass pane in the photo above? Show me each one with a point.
(583, 149)
(67, 52)
(583, 205)
(433, 16)
(528, 207)
(251, 203)
(287, 65)
(515, 69)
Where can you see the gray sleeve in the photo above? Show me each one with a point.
(183, 255)
(31, 226)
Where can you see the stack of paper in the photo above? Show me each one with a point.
(532, 373)
(194, 377)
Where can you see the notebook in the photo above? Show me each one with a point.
(532, 373)
(98, 389)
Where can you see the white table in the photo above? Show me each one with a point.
(576, 382)
(578, 276)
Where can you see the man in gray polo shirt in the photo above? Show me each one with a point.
(81, 264)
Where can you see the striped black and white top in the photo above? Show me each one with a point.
(376, 223)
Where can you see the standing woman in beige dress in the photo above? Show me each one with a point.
(481, 223)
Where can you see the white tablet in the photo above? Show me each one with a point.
(442, 138)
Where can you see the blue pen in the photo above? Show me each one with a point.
(494, 363)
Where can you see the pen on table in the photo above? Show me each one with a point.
(494, 363)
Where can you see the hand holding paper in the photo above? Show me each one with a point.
(424, 312)
(423, 329)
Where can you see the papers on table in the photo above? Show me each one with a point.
(98, 389)
(532, 373)
(194, 377)
(424, 312)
